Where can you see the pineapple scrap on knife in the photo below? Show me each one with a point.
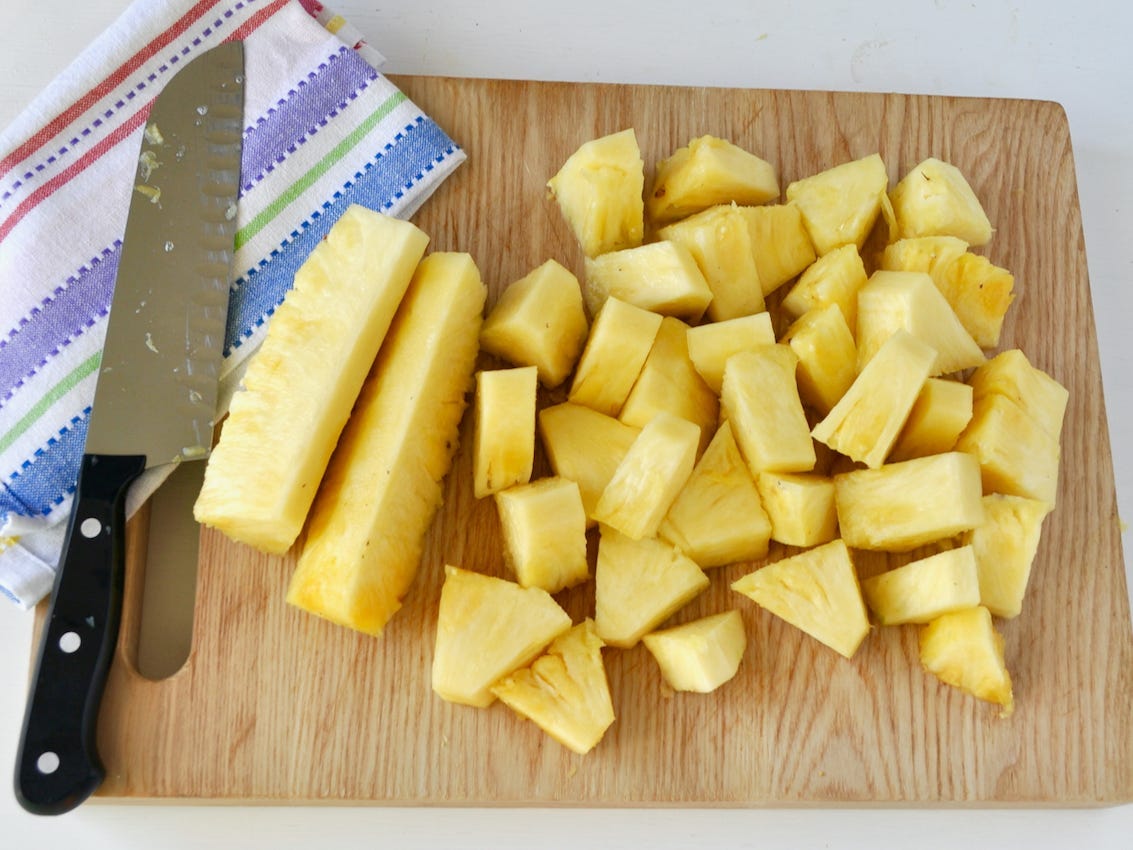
(383, 485)
(261, 478)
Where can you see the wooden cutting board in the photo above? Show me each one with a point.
(278, 706)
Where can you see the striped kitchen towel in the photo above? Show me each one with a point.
(323, 130)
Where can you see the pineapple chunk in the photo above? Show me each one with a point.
(261, 479)
(923, 590)
(867, 420)
(710, 345)
(487, 628)
(801, 507)
(707, 172)
(980, 293)
(910, 301)
(540, 321)
(762, 403)
(584, 446)
(544, 529)
(660, 276)
(840, 205)
(717, 517)
(503, 453)
(964, 650)
(905, 505)
(619, 343)
(834, 278)
(827, 356)
(780, 241)
(649, 477)
(638, 584)
(1016, 455)
(934, 199)
(702, 655)
(940, 414)
(669, 382)
(565, 691)
(1011, 374)
(599, 192)
(931, 255)
(816, 591)
(1005, 546)
(383, 485)
(719, 241)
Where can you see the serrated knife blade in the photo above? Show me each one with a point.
(154, 403)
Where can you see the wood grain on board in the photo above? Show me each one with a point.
(275, 705)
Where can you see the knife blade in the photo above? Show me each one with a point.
(154, 404)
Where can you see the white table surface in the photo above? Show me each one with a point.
(1074, 53)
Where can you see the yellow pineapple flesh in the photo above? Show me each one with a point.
(599, 191)
(827, 356)
(261, 479)
(1005, 545)
(710, 345)
(964, 650)
(780, 241)
(702, 655)
(800, 506)
(638, 584)
(816, 591)
(935, 199)
(544, 530)
(659, 276)
(940, 414)
(867, 420)
(383, 485)
(1011, 374)
(717, 517)
(912, 503)
(488, 627)
(503, 450)
(539, 320)
(707, 172)
(565, 691)
(923, 590)
(834, 278)
(649, 477)
(980, 293)
(719, 241)
(620, 339)
(840, 205)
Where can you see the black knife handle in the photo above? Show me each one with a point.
(58, 766)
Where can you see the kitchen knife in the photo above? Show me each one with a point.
(154, 404)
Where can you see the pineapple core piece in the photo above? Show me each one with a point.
(599, 192)
(660, 276)
(585, 446)
(922, 590)
(488, 627)
(780, 241)
(669, 382)
(503, 452)
(707, 172)
(544, 529)
(1005, 545)
(383, 486)
(841, 205)
(1011, 374)
(565, 691)
(762, 402)
(910, 301)
(702, 655)
(964, 650)
(867, 420)
(801, 507)
(934, 199)
(649, 477)
(710, 345)
(941, 413)
(834, 278)
(719, 241)
(905, 505)
(540, 321)
(717, 518)
(620, 340)
(816, 591)
(827, 356)
(638, 584)
(261, 479)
